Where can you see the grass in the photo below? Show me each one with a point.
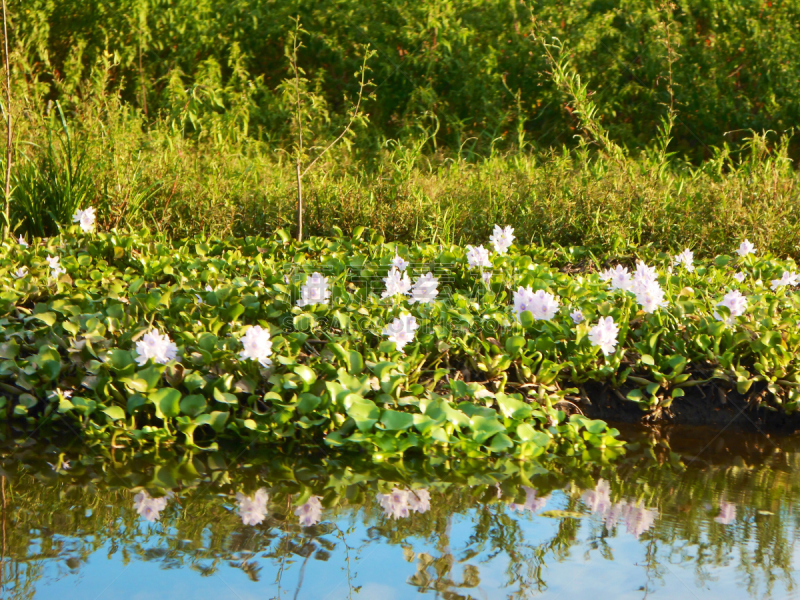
(161, 180)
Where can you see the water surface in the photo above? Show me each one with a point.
(691, 514)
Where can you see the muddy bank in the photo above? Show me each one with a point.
(701, 406)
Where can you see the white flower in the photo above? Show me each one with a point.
(745, 248)
(253, 510)
(604, 334)
(620, 278)
(257, 346)
(577, 316)
(55, 266)
(736, 303)
(502, 238)
(399, 263)
(149, 507)
(487, 277)
(686, 258)
(396, 283)
(208, 288)
(22, 242)
(478, 257)
(788, 279)
(315, 291)
(532, 502)
(310, 513)
(740, 277)
(542, 305)
(21, 272)
(727, 513)
(86, 219)
(401, 330)
(647, 289)
(156, 346)
(425, 289)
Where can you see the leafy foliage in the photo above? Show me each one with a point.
(475, 380)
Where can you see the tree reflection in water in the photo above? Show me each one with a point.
(454, 528)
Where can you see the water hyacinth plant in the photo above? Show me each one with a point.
(458, 364)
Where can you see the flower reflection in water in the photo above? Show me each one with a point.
(253, 510)
(399, 503)
(532, 502)
(310, 513)
(636, 517)
(148, 507)
(727, 513)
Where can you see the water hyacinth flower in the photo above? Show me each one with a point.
(604, 335)
(577, 316)
(401, 330)
(398, 263)
(396, 283)
(686, 258)
(21, 272)
(647, 289)
(85, 218)
(745, 248)
(252, 510)
(740, 276)
(619, 277)
(727, 513)
(787, 279)
(478, 257)
(310, 513)
(315, 291)
(425, 289)
(149, 507)
(736, 303)
(55, 266)
(487, 277)
(532, 502)
(502, 238)
(542, 305)
(257, 346)
(21, 241)
(155, 346)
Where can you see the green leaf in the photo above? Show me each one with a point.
(216, 420)
(501, 442)
(356, 363)
(514, 344)
(115, 413)
(193, 405)
(364, 412)
(307, 403)
(395, 420)
(225, 397)
(484, 427)
(167, 402)
(306, 374)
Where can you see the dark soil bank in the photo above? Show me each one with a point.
(701, 406)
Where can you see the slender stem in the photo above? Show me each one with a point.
(299, 138)
(299, 202)
(7, 224)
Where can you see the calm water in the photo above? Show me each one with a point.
(690, 515)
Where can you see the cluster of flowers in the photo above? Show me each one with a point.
(637, 518)
(643, 283)
(400, 503)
